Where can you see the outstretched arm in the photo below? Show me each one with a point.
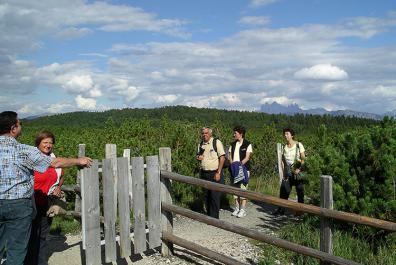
(70, 162)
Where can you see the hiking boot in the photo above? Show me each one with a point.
(235, 212)
(242, 213)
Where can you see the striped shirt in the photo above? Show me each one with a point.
(17, 163)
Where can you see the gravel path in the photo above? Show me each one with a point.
(66, 250)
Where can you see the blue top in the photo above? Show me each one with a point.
(17, 163)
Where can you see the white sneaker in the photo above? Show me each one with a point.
(235, 212)
(242, 213)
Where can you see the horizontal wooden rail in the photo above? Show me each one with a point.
(199, 249)
(76, 215)
(71, 188)
(257, 235)
(301, 207)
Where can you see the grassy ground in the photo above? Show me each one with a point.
(62, 225)
(345, 244)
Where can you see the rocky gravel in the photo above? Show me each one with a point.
(66, 250)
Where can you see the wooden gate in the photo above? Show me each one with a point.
(123, 192)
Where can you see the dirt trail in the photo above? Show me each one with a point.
(66, 250)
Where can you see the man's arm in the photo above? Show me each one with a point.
(221, 164)
(70, 162)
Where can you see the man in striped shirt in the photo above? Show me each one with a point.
(17, 163)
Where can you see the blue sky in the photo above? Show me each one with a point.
(69, 55)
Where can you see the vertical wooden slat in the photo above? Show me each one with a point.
(123, 204)
(326, 201)
(153, 194)
(90, 189)
(165, 161)
(79, 197)
(279, 152)
(108, 210)
(138, 207)
(127, 153)
(111, 153)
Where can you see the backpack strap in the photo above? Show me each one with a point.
(297, 150)
(214, 143)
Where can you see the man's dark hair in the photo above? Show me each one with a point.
(42, 135)
(240, 129)
(290, 130)
(7, 120)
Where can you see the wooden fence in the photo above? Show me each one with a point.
(325, 212)
(123, 181)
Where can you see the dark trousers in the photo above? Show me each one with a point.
(286, 187)
(38, 248)
(212, 198)
(15, 225)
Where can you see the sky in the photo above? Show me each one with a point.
(73, 55)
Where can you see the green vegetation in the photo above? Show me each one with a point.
(358, 153)
(345, 244)
(62, 225)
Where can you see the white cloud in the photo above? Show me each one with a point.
(254, 20)
(166, 99)
(130, 93)
(31, 108)
(94, 54)
(72, 33)
(23, 23)
(77, 84)
(281, 100)
(85, 103)
(123, 88)
(384, 91)
(322, 72)
(257, 3)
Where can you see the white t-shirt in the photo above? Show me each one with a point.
(236, 152)
(290, 152)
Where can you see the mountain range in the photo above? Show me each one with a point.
(276, 108)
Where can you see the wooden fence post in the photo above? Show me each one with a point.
(127, 153)
(123, 204)
(154, 201)
(326, 201)
(111, 153)
(77, 204)
(91, 211)
(78, 208)
(139, 207)
(279, 151)
(167, 217)
(108, 210)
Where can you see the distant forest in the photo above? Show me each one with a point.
(302, 123)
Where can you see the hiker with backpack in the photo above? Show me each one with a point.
(293, 157)
(210, 154)
(239, 155)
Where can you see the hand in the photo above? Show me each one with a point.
(217, 176)
(200, 157)
(84, 161)
(57, 192)
(296, 171)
